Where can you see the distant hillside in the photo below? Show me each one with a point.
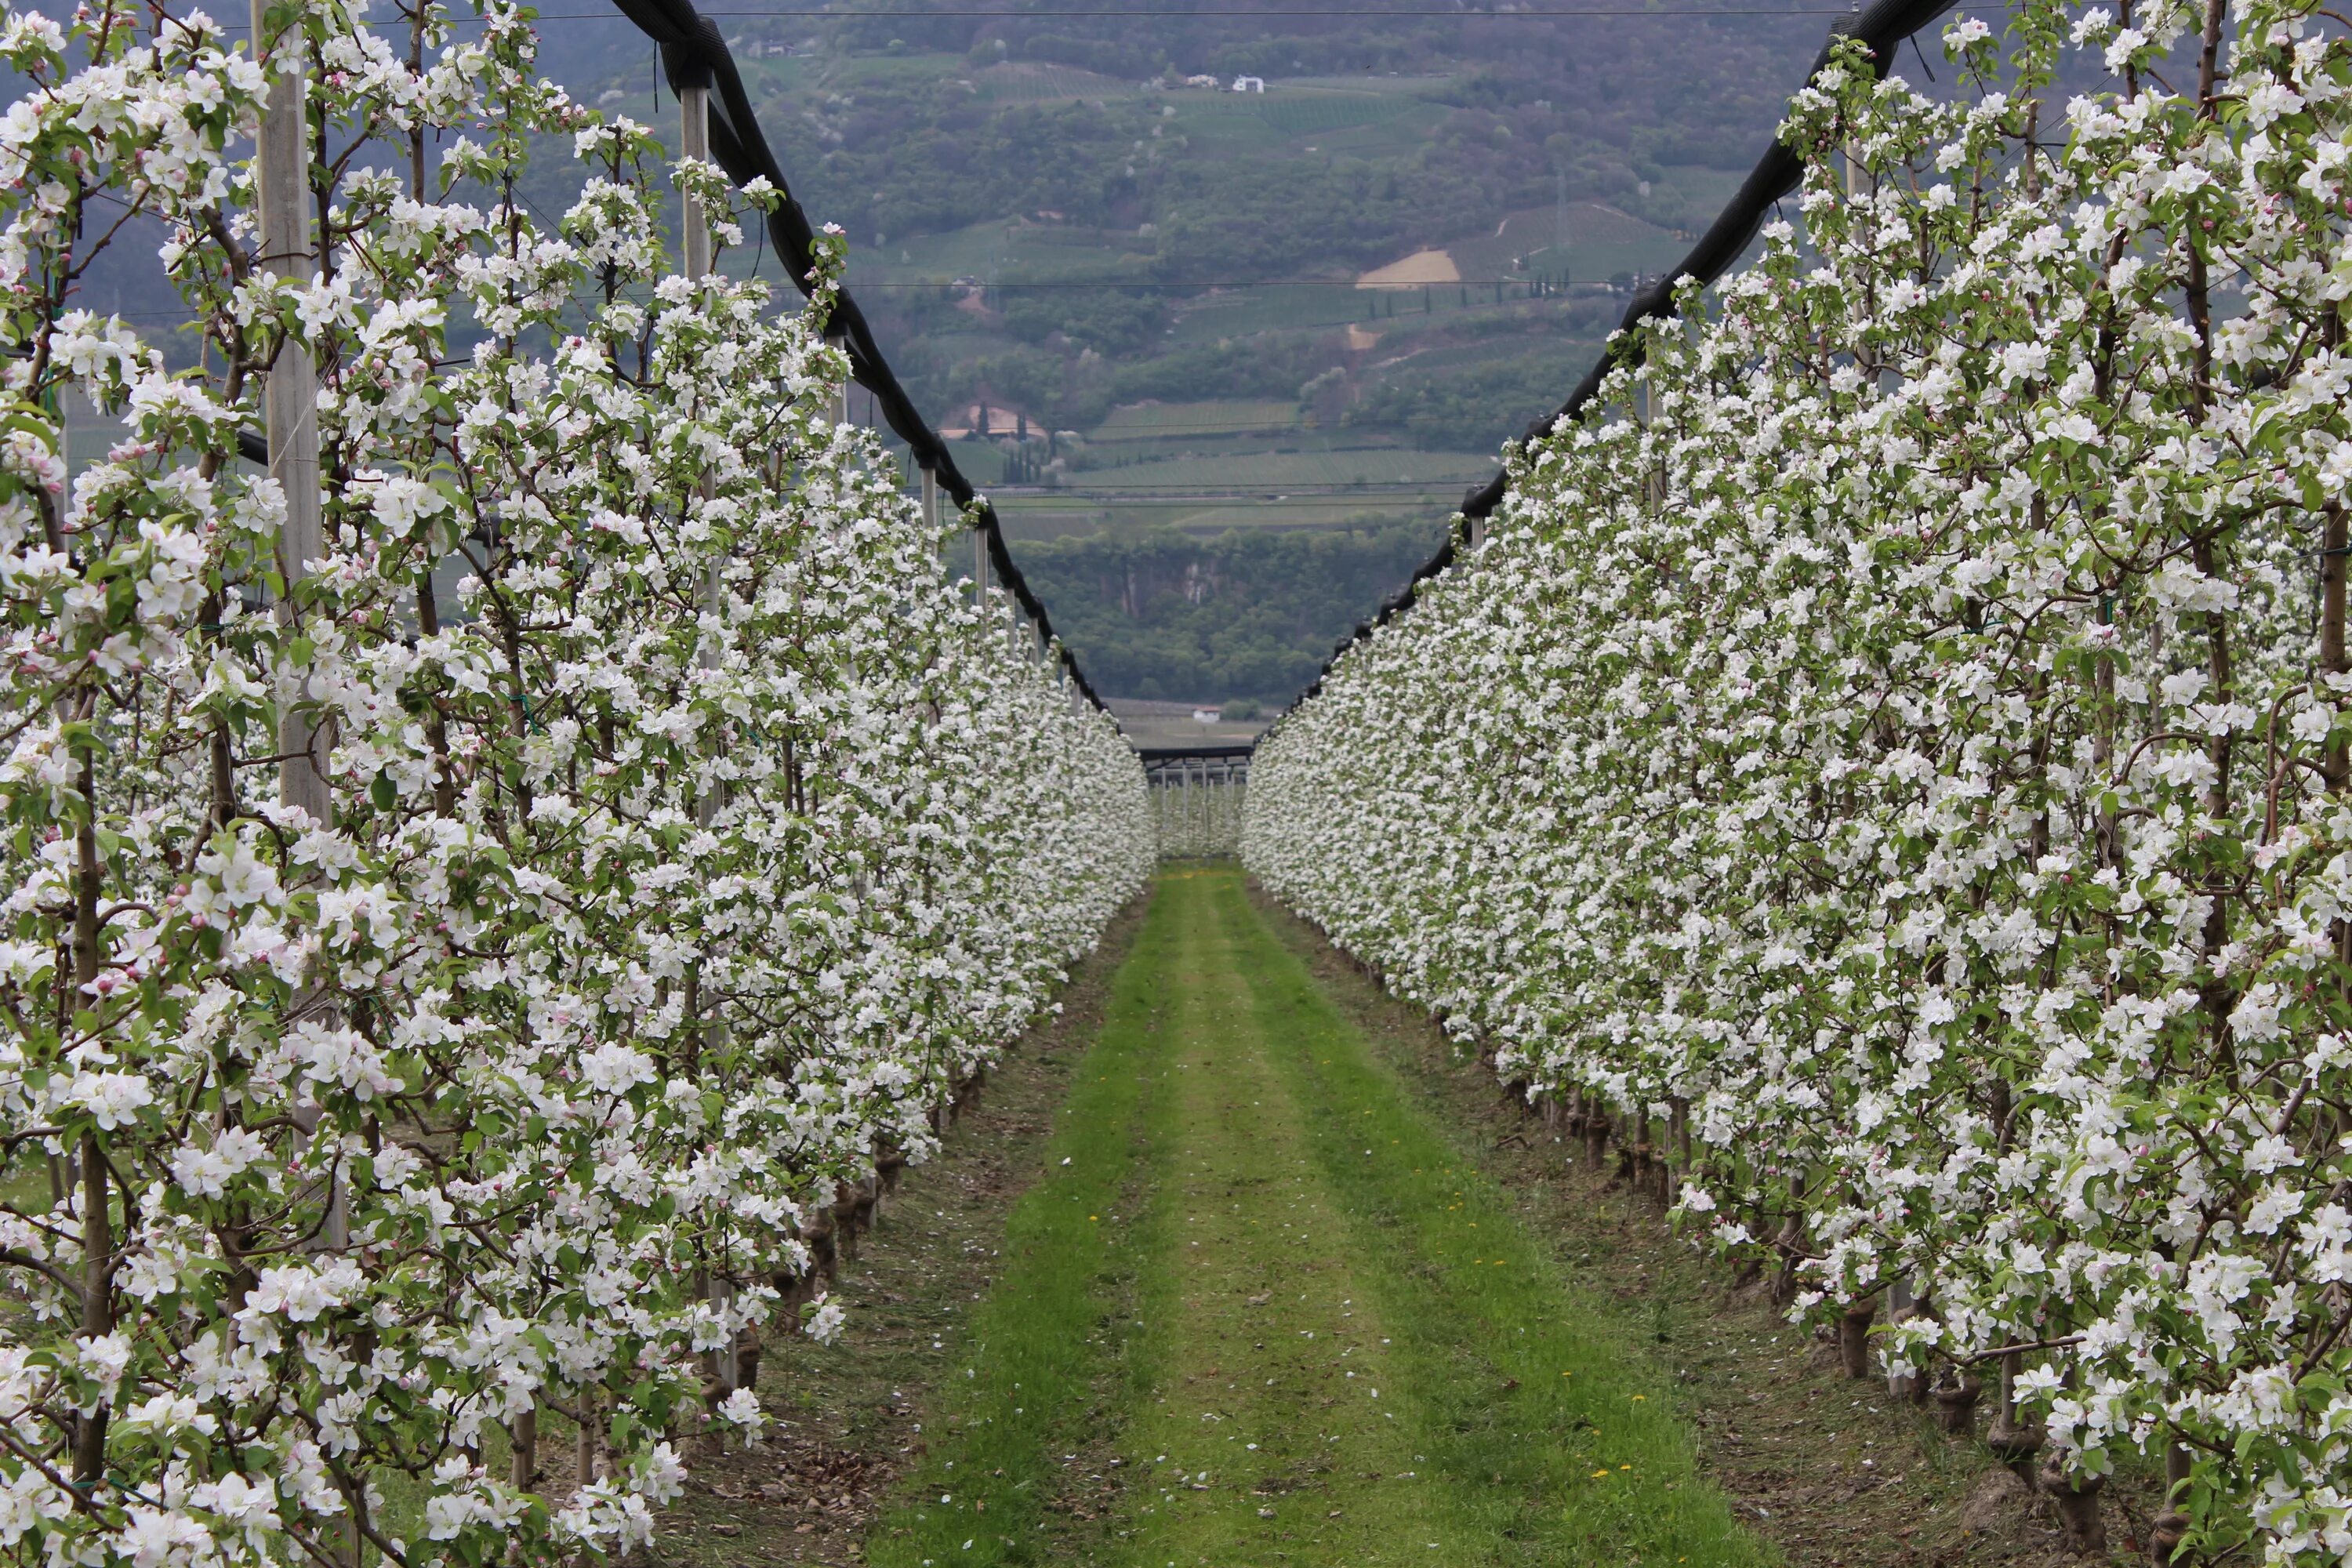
(1610, 102)
(1075, 224)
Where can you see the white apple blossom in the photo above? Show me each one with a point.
(1907, 755)
(682, 866)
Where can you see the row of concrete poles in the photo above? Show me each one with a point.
(1197, 804)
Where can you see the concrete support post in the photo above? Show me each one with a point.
(694, 240)
(288, 249)
(694, 243)
(290, 394)
(694, 141)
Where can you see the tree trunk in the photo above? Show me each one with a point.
(97, 1302)
(2077, 1500)
(1853, 1337)
(522, 1465)
(96, 1221)
(1956, 1406)
(2171, 1527)
(1678, 1138)
(2013, 1441)
(1901, 1385)
(583, 1440)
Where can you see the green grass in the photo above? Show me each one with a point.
(1271, 1316)
(1269, 1430)
(1541, 1426)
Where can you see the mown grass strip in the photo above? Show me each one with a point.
(1266, 1438)
(1556, 1439)
(1257, 1229)
(1049, 1333)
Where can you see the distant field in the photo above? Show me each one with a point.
(1532, 231)
(1148, 421)
(1204, 464)
(1382, 137)
(1396, 84)
(1028, 517)
(1212, 493)
(1002, 249)
(1596, 263)
(1225, 123)
(1708, 189)
(1035, 82)
(1421, 267)
(1301, 114)
(1602, 241)
(1571, 354)
(844, 71)
(1359, 115)
(1273, 471)
(1268, 306)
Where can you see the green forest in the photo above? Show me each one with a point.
(1251, 613)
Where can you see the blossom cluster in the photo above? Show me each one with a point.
(688, 839)
(1902, 734)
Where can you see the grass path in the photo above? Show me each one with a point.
(1257, 1311)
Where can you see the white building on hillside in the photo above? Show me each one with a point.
(1249, 84)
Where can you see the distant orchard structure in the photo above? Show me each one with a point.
(1198, 795)
(1249, 84)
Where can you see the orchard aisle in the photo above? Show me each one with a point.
(1258, 1313)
